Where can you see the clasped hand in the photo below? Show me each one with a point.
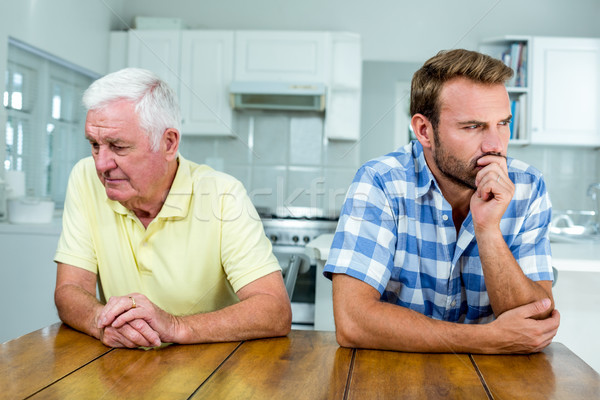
(133, 321)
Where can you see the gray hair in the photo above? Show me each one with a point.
(155, 102)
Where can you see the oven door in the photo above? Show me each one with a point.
(299, 278)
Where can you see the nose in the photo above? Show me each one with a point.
(104, 160)
(493, 141)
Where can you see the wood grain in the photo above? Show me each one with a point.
(173, 372)
(555, 373)
(303, 365)
(36, 360)
(396, 375)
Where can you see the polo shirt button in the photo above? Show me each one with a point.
(453, 303)
(445, 217)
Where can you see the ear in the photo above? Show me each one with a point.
(171, 139)
(423, 130)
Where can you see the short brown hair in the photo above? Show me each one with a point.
(428, 81)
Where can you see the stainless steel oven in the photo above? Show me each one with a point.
(289, 233)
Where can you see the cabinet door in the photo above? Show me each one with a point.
(157, 51)
(281, 56)
(206, 72)
(566, 91)
(342, 118)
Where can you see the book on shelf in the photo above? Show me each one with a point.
(514, 110)
(518, 122)
(515, 57)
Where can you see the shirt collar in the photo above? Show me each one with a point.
(177, 203)
(425, 179)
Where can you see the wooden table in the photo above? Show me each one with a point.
(60, 363)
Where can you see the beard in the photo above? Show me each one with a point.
(461, 172)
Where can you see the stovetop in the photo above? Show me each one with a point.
(295, 231)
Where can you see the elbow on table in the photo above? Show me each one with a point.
(282, 325)
(347, 333)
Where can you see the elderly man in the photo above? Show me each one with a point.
(443, 245)
(176, 247)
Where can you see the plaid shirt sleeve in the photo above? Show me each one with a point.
(365, 240)
(531, 244)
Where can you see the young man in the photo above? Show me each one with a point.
(443, 245)
(176, 247)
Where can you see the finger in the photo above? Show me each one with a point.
(133, 336)
(491, 174)
(490, 159)
(145, 330)
(115, 307)
(535, 308)
(113, 338)
(131, 315)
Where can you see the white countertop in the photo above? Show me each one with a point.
(583, 256)
(53, 228)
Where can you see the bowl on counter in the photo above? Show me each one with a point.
(30, 210)
(574, 226)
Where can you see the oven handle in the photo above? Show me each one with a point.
(294, 250)
(297, 255)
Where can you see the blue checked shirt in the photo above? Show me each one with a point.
(396, 233)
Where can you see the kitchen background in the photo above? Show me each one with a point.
(284, 158)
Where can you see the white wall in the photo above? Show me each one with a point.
(390, 29)
(74, 30)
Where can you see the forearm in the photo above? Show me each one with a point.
(391, 327)
(262, 315)
(78, 308)
(507, 286)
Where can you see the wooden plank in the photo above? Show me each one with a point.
(172, 372)
(305, 364)
(555, 373)
(395, 375)
(38, 359)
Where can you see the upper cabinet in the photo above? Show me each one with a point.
(344, 89)
(281, 56)
(206, 71)
(555, 93)
(566, 91)
(201, 65)
(158, 51)
(198, 65)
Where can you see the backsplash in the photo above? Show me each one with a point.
(282, 158)
(568, 171)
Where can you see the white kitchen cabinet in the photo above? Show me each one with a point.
(28, 278)
(566, 91)
(281, 56)
(157, 51)
(198, 65)
(206, 72)
(342, 114)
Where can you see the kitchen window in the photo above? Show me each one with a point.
(44, 132)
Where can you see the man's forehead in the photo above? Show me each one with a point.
(467, 98)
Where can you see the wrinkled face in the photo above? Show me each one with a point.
(125, 163)
(474, 122)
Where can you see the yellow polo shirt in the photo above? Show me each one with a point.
(205, 244)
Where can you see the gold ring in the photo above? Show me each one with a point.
(133, 305)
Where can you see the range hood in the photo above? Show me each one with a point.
(277, 96)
